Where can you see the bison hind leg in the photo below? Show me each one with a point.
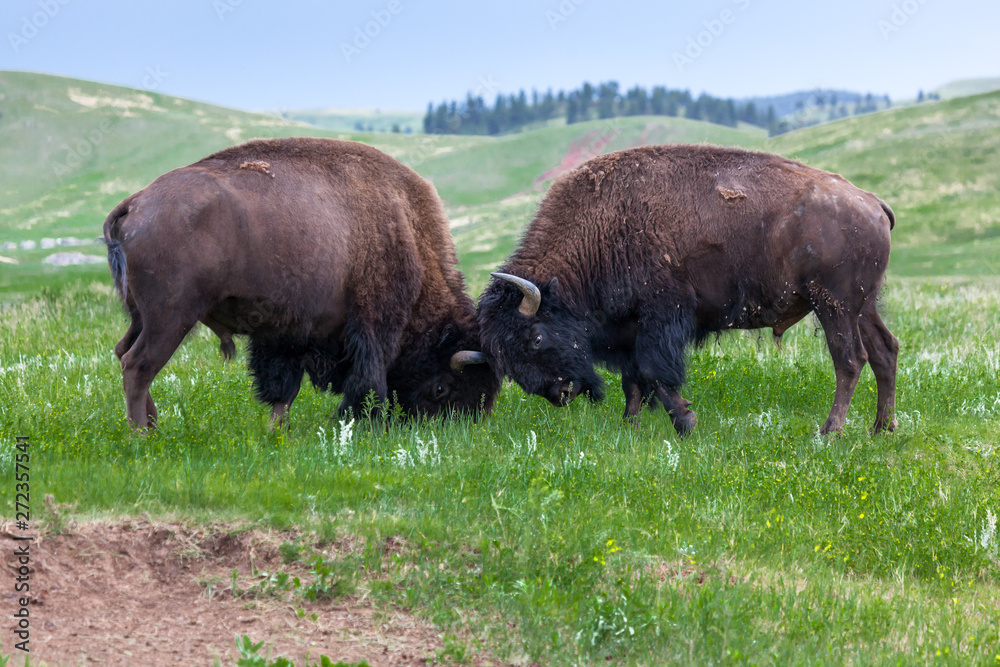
(277, 368)
(844, 341)
(883, 349)
(143, 358)
(128, 340)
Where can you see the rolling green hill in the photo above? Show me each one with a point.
(347, 120)
(965, 87)
(72, 149)
(938, 166)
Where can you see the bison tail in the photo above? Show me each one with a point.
(116, 261)
(116, 253)
(888, 212)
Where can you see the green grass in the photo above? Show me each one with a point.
(760, 541)
(564, 535)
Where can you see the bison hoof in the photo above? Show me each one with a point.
(630, 418)
(684, 421)
(831, 429)
(882, 426)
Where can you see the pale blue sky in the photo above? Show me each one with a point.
(256, 54)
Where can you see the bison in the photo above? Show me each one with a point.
(637, 255)
(335, 260)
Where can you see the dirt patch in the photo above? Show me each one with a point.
(580, 150)
(142, 593)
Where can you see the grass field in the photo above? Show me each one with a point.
(561, 536)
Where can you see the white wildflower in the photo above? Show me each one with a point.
(6, 456)
(403, 458)
(673, 457)
(528, 448)
(427, 452)
(764, 420)
(989, 532)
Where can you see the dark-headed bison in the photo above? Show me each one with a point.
(334, 258)
(637, 254)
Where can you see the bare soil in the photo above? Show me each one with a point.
(148, 593)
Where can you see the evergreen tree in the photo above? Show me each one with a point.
(584, 100)
(658, 101)
(606, 96)
(572, 109)
(547, 108)
(429, 119)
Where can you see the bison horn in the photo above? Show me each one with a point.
(464, 358)
(532, 297)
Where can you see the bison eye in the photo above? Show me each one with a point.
(537, 343)
(439, 391)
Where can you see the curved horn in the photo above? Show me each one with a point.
(464, 358)
(532, 297)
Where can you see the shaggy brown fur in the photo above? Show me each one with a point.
(340, 265)
(642, 252)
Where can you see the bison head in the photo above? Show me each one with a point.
(445, 373)
(532, 335)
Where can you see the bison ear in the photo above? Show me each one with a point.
(447, 334)
(554, 286)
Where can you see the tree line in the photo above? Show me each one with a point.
(514, 112)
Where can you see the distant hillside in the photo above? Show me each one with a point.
(526, 162)
(72, 149)
(937, 164)
(790, 103)
(355, 120)
(964, 87)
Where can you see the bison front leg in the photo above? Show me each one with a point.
(277, 368)
(638, 393)
(368, 371)
(659, 355)
(633, 399)
(683, 418)
(883, 349)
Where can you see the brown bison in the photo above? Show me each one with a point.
(335, 260)
(638, 254)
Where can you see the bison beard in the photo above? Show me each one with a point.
(332, 257)
(637, 255)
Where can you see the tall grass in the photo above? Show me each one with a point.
(562, 534)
